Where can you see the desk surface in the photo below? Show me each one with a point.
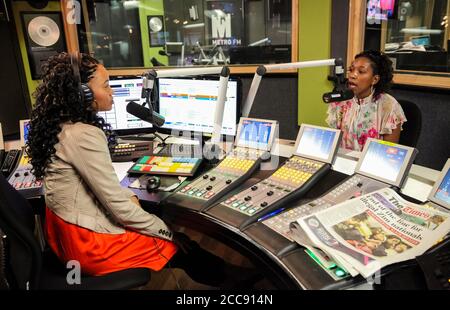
(283, 269)
(418, 184)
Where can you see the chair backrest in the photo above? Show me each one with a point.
(412, 127)
(24, 256)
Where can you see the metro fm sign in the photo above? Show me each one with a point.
(221, 30)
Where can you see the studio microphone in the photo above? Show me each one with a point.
(145, 114)
(338, 95)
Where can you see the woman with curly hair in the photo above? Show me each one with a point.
(372, 113)
(89, 216)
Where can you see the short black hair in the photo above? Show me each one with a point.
(381, 65)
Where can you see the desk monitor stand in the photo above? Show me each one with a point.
(254, 141)
(315, 150)
(392, 161)
(440, 194)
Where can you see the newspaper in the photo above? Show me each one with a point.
(367, 233)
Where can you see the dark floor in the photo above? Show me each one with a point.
(177, 279)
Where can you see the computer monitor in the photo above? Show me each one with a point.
(385, 161)
(318, 143)
(126, 89)
(440, 193)
(256, 133)
(381, 9)
(188, 104)
(24, 127)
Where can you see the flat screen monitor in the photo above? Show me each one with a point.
(318, 143)
(440, 193)
(386, 161)
(380, 9)
(126, 89)
(189, 104)
(256, 133)
(24, 127)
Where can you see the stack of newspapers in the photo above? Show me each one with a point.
(364, 234)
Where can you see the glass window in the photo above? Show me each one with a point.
(414, 33)
(111, 33)
(186, 32)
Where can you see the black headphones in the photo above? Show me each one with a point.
(85, 93)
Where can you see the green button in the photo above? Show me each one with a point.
(235, 204)
(143, 160)
(339, 272)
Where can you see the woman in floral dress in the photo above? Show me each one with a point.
(371, 113)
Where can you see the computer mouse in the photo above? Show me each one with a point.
(153, 183)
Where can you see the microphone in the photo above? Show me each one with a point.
(145, 114)
(339, 95)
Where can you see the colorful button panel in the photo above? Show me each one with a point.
(287, 179)
(232, 164)
(218, 179)
(165, 165)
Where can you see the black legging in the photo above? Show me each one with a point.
(201, 265)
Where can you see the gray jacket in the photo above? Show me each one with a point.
(82, 188)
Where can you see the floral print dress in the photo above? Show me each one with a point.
(360, 119)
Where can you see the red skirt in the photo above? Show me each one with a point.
(100, 253)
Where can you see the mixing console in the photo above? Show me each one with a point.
(269, 192)
(23, 180)
(255, 138)
(400, 159)
(314, 152)
(355, 186)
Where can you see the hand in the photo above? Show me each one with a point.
(135, 200)
(183, 241)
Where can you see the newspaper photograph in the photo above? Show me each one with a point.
(375, 230)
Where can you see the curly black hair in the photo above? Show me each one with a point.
(57, 102)
(382, 66)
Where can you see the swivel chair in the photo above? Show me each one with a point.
(28, 268)
(412, 127)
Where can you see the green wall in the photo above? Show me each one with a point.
(150, 7)
(21, 6)
(314, 44)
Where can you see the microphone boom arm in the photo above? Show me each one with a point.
(263, 69)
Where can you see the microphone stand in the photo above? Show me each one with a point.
(148, 81)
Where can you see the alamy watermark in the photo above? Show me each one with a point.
(74, 274)
(73, 12)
